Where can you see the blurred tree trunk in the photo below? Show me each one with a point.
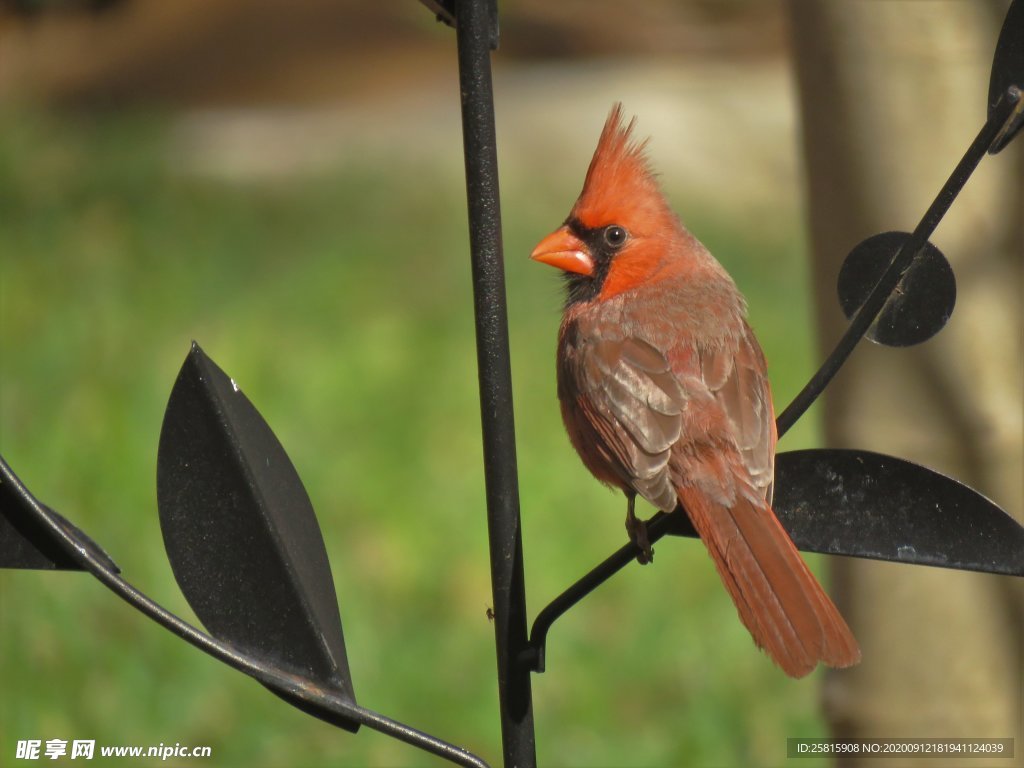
(892, 94)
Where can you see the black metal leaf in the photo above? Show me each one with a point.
(849, 502)
(920, 306)
(26, 542)
(863, 504)
(1008, 71)
(241, 534)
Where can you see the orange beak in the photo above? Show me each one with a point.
(564, 250)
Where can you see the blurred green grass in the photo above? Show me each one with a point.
(341, 304)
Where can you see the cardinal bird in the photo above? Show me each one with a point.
(664, 393)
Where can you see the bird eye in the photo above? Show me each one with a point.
(615, 235)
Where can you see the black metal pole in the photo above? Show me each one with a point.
(474, 27)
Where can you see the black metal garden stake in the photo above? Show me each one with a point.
(476, 31)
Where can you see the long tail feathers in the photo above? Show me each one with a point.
(778, 599)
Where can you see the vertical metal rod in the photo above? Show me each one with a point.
(473, 28)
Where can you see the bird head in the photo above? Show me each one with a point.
(616, 235)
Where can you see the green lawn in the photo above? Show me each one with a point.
(341, 305)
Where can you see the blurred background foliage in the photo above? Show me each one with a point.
(283, 183)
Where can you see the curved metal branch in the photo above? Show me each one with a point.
(533, 656)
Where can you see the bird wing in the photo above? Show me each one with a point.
(636, 398)
(628, 394)
(735, 376)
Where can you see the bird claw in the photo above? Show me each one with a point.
(637, 530)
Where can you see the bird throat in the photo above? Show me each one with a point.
(583, 288)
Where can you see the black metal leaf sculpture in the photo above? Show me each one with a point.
(246, 548)
(922, 304)
(241, 535)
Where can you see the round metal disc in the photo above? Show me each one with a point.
(922, 302)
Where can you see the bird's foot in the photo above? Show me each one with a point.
(637, 530)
